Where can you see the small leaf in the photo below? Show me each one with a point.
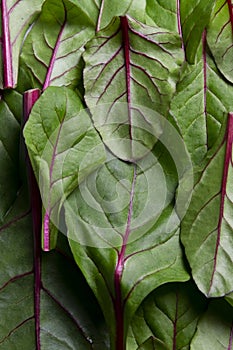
(200, 105)
(16, 17)
(129, 65)
(113, 8)
(57, 135)
(220, 37)
(215, 329)
(172, 313)
(52, 50)
(195, 16)
(206, 230)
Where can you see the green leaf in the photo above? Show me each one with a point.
(16, 17)
(206, 230)
(129, 65)
(9, 155)
(229, 298)
(115, 8)
(215, 329)
(200, 106)
(123, 234)
(52, 51)
(57, 135)
(171, 313)
(220, 37)
(195, 16)
(165, 14)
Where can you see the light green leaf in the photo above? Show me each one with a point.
(16, 17)
(129, 65)
(52, 51)
(165, 14)
(215, 329)
(58, 134)
(123, 234)
(115, 8)
(195, 16)
(206, 230)
(220, 37)
(200, 107)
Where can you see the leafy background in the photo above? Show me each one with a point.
(168, 290)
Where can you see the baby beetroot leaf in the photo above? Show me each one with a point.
(16, 17)
(52, 50)
(129, 64)
(63, 135)
(220, 37)
(207, 225)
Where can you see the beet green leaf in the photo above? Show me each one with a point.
(52, 50)
(123, 234)
(195, 16)
(220, 37)
(215, 329)
(131, 63)
(200, 105)
(206, 230)
(63, 135)
(168, 315)
(16, 17)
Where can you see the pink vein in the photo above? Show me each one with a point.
(119, 308)
(179, 22)
(227, 162)
(46, 236)
(7, 49)
(54, 55)
(204, 74)
(231, 339)
(126, 45)
(100, 16)
(230, 13)
(175, 323)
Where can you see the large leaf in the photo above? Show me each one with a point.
(52, 50)
(207, 227)
(57, 135)
(215, 329)
(16, 17)
(123, 234)
(195, 16)
(170, 314)
(135, 64)
(200, 105)
(220, 37)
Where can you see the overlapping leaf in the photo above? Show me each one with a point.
(195, 16)
(215, 329)
(16, 17)
(200, 106)
(171, 314)
(165, 14)
(113, 8)
(220, 37)
(51, 53)
(207, 226)
(58, 134)
(135, 64)
(123, 234)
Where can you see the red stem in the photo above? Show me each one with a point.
(8, 80)
(29, 98)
